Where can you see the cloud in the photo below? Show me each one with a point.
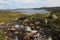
(4, 2)
(19, 1)
(51, 3)
(44, 2)
(28, 3)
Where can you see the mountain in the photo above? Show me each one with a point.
(48, 8)
(33, 10)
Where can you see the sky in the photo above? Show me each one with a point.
(14, 4)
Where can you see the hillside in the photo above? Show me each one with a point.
(52, 24)
(6, 16)
(48, 8)
(9, 16)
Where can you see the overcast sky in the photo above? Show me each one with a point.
(13, 4)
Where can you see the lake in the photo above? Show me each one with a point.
(31, 11)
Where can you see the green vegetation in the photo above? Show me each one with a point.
(11, 16)
(2, 35)
(56, 23)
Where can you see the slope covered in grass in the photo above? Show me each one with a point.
(9, 16)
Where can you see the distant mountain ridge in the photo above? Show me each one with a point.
(33, 10)
(48, 8)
